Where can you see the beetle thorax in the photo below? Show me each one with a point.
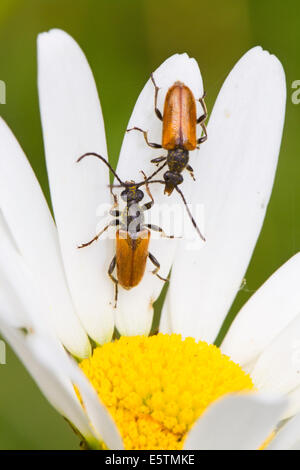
(133, 218)
(177, 159)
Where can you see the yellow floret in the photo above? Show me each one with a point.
(156, 387)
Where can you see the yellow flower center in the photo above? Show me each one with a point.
(156, 387)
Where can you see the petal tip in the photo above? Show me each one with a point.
(55, 36)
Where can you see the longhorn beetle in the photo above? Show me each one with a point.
(178, 135)
(132, 236)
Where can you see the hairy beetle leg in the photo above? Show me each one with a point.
(150, 144)
(115, 281)
(157, 267)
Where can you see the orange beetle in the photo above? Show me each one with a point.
(133, 236)
(131, 257)
(178, 135)
(179, 118)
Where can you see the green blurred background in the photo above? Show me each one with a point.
(124, 41)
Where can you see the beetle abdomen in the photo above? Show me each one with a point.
(180, 118)
(131, 257)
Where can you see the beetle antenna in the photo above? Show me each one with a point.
(157, 171)
(190, 214)
(184, 201)
(104, 161)
(149, 178)
(147, 181)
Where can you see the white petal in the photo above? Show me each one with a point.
(73, 125)
(265, 314)
(134, 313)
(55, 374)
(22, 304)
(36, 353)
(236, 422)
(278, 367)
(294, 403)
(235, 170)
(11, 305)
(29, 221)
(288, 437)
(99, 417)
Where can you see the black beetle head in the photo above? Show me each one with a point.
(132, 194)
(171, 180)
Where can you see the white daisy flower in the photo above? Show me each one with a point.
(164, 391)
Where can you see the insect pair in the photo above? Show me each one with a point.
(133, 235)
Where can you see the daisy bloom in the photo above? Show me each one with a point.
(175, 389)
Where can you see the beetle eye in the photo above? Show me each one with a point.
(173, 178)
(167, 176)
(179, 179)
(124, 195)
(139, 195)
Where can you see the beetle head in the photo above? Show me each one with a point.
(171, 180)
(132, 194)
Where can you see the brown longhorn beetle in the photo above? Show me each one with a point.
(133, 235)
(178, 135)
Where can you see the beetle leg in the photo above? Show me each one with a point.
(115, 213)
(201, 120)
(156, 228)
(114, 280)
(151, 144)
(191, 171)
(157, 111)
(111, 223)
(83, 245)
(204, 138)
(149, 204)
(158, 160)
(157, 267)
(115, 198)
(203, 117)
